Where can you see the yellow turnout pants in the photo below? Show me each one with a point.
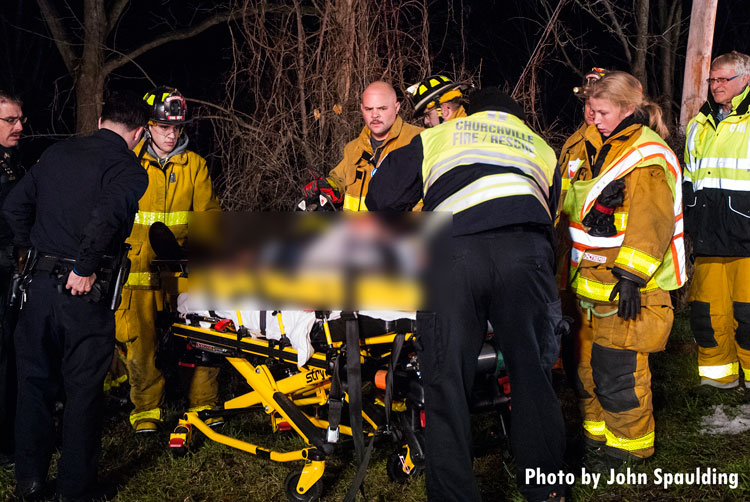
(614, 379)
(720, 318)
(135, 323)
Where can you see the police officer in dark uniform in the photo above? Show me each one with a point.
(75, 207)
(11, 172)
(499, 180)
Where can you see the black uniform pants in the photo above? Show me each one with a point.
(506, 277)
(7, 359)
(62, 341)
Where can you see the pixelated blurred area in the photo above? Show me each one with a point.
(310, 260)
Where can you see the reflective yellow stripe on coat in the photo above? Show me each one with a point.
(142, 279)
(169, 219)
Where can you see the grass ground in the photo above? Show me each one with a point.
(143, 469)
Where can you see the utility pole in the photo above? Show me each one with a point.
(698, 58)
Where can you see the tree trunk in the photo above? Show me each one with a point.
(89, 98)
(641, 42)
(670, 19)
(89, 75)
(698, 58)
(346, 26)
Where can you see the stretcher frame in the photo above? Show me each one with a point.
(283, 400)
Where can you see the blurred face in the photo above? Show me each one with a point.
(10, 124)
(379, 109)
(607, 115)
(588, 115)
(431, 118)
(164, 138)
(723, 92)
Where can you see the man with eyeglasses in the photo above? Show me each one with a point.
(717, 216)
(11, 126)
(179, 183)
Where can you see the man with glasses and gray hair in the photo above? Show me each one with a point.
(717, 217)
(11, 126)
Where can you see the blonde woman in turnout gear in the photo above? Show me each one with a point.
(717, 217)
(178, 184)
(625, 222)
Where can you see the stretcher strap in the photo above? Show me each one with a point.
(360, 476)
(398, 344)
(335, 401)
(354, 385)
(354, 388)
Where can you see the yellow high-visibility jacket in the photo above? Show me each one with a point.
(717, 179)
(183, 185)
(352, 175)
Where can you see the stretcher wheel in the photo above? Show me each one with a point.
(290, 488)
(180, 439)
(394, 466)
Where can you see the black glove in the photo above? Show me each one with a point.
(630, 298)
(601, 219)
(613, 194)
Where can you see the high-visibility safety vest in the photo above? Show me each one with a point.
(717, 176)
(488, 157)
(667, 272)
(174, 191)
(718, 155)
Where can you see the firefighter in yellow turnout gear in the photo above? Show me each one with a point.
(178, 184)
(625, 222)
(717, 217)
(384, 132)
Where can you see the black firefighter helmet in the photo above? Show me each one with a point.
(167, 106)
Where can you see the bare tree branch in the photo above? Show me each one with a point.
(63, 39)
(115, 63)
(114, 13)
(533, 59)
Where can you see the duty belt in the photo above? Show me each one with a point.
(50, 263)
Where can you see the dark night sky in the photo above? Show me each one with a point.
(499, 34)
